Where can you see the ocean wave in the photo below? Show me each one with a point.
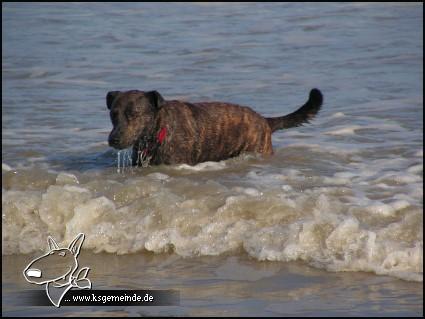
(281, 216)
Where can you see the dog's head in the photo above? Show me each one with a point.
(133, 115)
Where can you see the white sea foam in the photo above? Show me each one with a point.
(205, 166)
(37, 73)
(158, 176)
(416, 168)
(271, 216)
(5, 167)
(66, 178)
(348, 130)
(338, 115)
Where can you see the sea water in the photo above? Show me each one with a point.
(342, 194)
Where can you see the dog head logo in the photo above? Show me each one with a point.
(58, 270)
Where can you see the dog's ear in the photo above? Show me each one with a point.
(155, 99)
(52, 243)
(110, 97)
(76, 243)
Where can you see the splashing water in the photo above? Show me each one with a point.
(124, 159)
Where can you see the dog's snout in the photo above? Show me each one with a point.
(33, 272)
(113, 141)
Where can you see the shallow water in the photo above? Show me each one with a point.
(344, 193)
(233, 285)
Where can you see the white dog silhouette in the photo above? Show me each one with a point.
(58, 270)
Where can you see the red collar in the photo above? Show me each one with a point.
(161, 135)
(149, 148)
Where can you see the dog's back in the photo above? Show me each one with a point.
(211, 131)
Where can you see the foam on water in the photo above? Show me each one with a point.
(205, 166)
(5, 167)
(341, 222)
(350, 199)
(347, 130)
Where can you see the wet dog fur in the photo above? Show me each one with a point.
(195, 132)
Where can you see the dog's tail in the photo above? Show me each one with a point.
(303, 115)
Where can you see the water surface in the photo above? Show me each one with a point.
(342, 196)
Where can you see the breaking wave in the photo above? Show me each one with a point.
(354, 220)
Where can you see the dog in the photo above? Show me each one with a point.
(176, 132)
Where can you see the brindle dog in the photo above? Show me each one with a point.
(172, 132)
